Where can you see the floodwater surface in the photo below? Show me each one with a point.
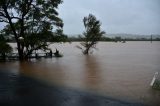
(119, 70)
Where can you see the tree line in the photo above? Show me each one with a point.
(76, 38)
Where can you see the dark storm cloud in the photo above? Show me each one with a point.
(117, 16)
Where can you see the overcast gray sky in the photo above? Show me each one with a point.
(117, 16)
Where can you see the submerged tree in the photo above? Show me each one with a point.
(30, 22)
(92, 33)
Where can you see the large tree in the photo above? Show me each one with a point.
(31, 22)
(92, 33)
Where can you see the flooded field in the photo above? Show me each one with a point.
(118, 70)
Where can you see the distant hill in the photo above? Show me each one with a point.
(132, 36)
(123, 35)
(120, 37)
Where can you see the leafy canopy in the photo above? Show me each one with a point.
(92, 33)
(32, 20)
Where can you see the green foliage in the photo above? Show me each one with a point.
(156, 85)
(4, 47)
(118, 38)
(33, 20)
(58, 36)
(34, 42)
(74, 38)
(92, 33)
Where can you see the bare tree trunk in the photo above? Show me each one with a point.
(3, 56)
(20, 52)
(86, 52)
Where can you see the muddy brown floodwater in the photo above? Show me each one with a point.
(119, 70)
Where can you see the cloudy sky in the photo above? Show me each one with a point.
(116, 16)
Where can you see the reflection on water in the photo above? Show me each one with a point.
(91, 72)
(120, 70)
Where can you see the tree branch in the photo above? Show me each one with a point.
(2, 14)
(10, 21)
(15, 18)
(4, 21)
(36, 48)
